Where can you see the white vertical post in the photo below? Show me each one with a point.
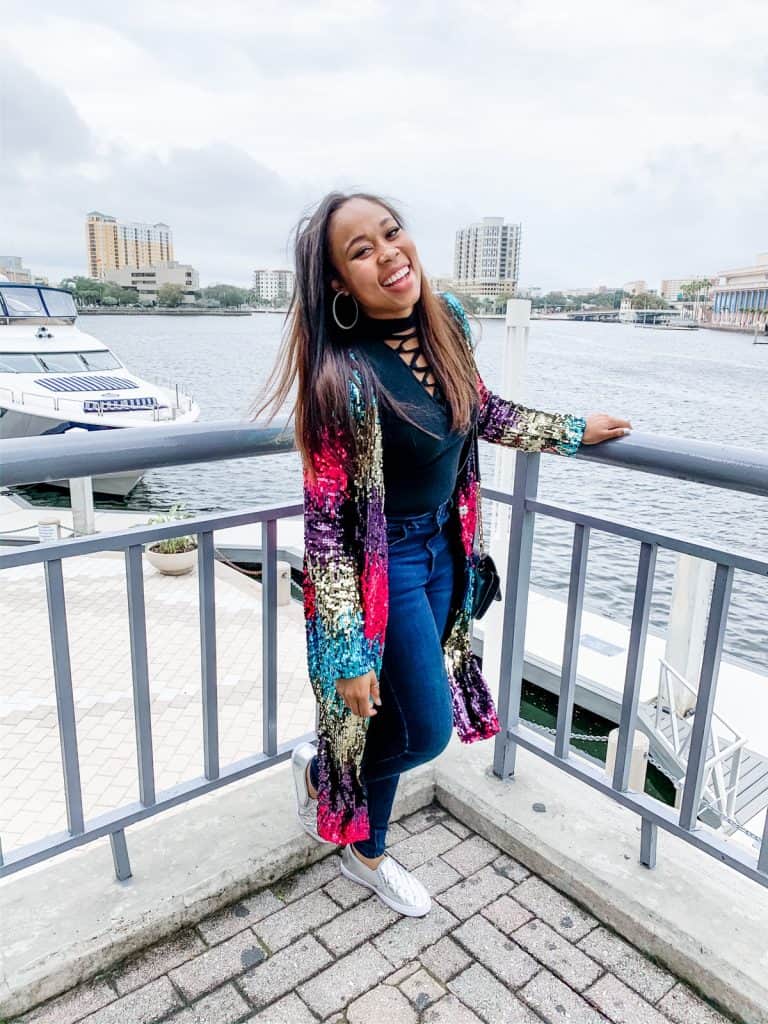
(515, 358)
(638, 762)
(81, 499)
(687, 627)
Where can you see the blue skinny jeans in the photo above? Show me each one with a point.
(414, 722)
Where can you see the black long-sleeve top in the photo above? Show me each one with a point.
(419, 469)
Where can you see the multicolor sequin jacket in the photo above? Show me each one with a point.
(345, 582)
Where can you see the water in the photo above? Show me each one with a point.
(706, 385)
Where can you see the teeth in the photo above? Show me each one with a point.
(396, 277)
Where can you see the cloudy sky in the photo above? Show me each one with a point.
(628, 138)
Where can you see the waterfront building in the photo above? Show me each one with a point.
(578, 293)
(113, 245)
(148, 280)
(486, 259)
(15, 271)
(443, 283)
(638, 287)
(740, 297)
(273, 285)
(13, 268)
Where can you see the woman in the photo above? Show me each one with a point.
(388, 392)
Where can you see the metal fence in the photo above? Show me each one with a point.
(30, 460)
(719, 466)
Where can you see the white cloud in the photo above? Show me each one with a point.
(628, 140)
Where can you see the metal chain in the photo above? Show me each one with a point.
(574, 735)
(678, 784)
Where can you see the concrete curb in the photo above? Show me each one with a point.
(68, 919)
(703, 921)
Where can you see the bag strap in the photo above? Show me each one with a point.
(481, 538)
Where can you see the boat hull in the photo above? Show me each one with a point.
(14, 424)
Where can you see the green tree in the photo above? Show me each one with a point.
(226, 294)
(469, 302)
(170, 295)
(648, 300)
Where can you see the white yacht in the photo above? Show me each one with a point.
(55, 378)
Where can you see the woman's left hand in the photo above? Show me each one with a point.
(602, 427)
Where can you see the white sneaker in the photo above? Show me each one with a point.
(306, 806)
(390, 881)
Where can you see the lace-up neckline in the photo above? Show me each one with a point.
(401, 336)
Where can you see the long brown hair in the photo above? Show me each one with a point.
(314, 349)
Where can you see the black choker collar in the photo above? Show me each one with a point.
(380, 329)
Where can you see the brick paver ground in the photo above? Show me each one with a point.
(499, 946)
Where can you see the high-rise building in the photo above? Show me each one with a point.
(486, 258)
(112, 245)
(273, 285)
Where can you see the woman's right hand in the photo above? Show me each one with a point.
(357, 691)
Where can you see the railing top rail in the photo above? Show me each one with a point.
(67, 456)
(35, 459)
(719, 465)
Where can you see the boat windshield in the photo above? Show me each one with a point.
(57, 362)
(25, 302)
(59, 303)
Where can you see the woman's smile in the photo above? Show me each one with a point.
(399, 280)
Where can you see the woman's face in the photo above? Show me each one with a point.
(368, 249)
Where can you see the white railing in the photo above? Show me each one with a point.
(726, 752)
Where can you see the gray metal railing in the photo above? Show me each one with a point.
(734, 469)
(37, 459)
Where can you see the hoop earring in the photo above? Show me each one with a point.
(345, 327)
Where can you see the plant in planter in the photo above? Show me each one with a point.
(173, 556)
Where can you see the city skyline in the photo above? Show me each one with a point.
(625, 149)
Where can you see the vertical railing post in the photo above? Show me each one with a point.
(269, 635)
(571, 642)
(65, 704)
(518, 576)
(634, 671)
(120, 858)
(137, 633)
(206, 569)
(705, 701)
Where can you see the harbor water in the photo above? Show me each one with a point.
(702, 385)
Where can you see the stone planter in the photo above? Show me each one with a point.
(176, 564)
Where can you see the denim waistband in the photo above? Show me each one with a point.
(437, 515)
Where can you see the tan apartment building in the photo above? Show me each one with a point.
(113, 245)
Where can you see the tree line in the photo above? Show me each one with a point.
(87, 291)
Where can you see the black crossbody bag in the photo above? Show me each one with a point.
(487, 581)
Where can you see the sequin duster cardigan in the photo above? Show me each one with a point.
(345, 582)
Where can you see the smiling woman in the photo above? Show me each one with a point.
(388, 396)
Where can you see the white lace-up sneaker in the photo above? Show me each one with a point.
(306, 806)
(390, 881)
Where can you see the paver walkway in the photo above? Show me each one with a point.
(31, 786)
(499, 946)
